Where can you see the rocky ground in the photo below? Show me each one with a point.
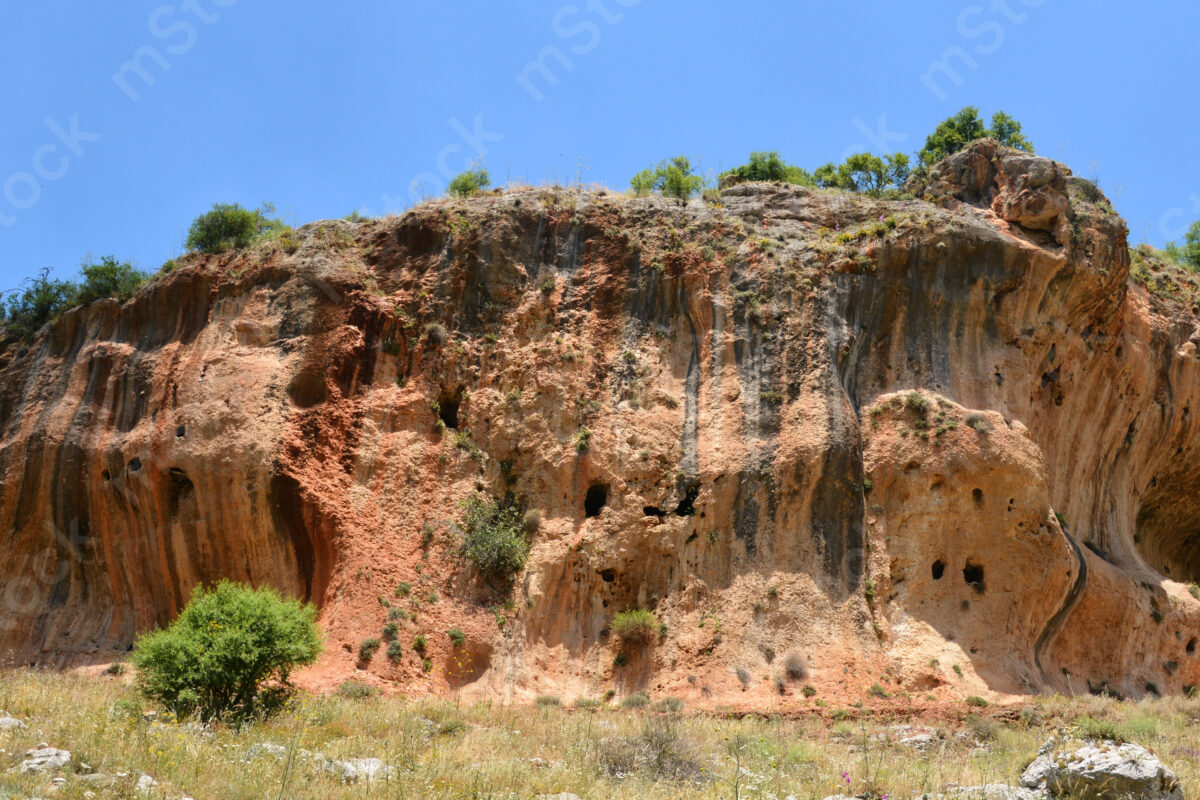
(74, 736)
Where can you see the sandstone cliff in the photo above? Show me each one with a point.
(945, 444)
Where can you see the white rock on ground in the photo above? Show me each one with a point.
(10, 724)
(353, 770)
(45, 759)
(1104, 770)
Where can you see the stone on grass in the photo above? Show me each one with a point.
(45, 759)
(1102, 770)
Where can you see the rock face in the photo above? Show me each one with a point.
(1103, 770)
(948, 436)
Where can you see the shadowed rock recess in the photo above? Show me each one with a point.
(941, 436)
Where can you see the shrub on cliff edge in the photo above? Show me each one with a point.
(229, 654)
(228, 226)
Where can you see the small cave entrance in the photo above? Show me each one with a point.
(973, 575)
(595, 499)
(938, 569)
(977, 496)
(1167, 529)
(687, 506)
(1191, 646)
(447, 407)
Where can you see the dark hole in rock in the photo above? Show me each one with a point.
(448, 405)
(687, 505)
(597, 496)
(104, 475)
(608, 575)
(135, 464)
(973, 575)
(1191, 646)
(180, 431)
(653, 511)
(977, 495)
(939, 569)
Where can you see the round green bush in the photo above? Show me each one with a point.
(217, 659)
(229, 226)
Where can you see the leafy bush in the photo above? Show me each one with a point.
(636, 626)
(636, 700)
(916, 402)
(1092, 728)
(768, 166)
(547, 701)
(586, 702)
(866, 173)
(435, 334)
(419, 643)
(976, 701)
(457, 637)
(357, 690)
(367, 649)
(470, 182)
(40, 301)
(494, 538)
(674, 178)
(228, 226)
(1189, 254)
(227, 643)
(395, 650)
(643, 183)
(955, 133)
(109, 278)
(794, 667)
(671, 705)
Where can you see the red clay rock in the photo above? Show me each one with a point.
(267, 416)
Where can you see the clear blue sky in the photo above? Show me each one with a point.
(325, 107)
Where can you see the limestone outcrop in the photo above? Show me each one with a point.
(943, 444)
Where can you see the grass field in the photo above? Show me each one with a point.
(445, 750)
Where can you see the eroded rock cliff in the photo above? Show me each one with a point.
(945, 444)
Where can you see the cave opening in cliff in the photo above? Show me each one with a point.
(596, 498)
(1191, 645)
(973, 576)
(1167, 533)
(939, 569)
(687, 506)
(448, 403)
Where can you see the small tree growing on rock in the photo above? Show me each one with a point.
(674, 178)
(229, 654)
(494, 538)
(228, 226)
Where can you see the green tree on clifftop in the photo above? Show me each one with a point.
(955, 133)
